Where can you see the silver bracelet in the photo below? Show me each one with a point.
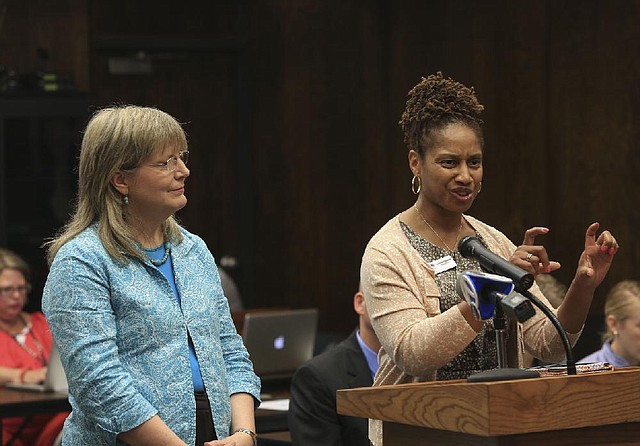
(250, 433)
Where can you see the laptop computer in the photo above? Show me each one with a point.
(279, 341)
(54, 381)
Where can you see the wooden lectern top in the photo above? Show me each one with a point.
(502, 407)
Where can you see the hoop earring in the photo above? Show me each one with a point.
(125, 199)
(416, 185)
(479, 188)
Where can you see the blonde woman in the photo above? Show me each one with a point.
(135, 303)
(621, 341)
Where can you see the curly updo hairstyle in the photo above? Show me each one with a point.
(435, 103)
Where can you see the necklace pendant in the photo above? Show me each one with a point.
(167, 253)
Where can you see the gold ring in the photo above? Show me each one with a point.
(529, 257)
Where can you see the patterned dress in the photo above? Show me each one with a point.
(481, 353)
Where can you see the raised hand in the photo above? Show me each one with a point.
(595, 260)
(531, 257)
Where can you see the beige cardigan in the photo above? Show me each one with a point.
(403, 302)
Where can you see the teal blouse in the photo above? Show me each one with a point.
(123, 340)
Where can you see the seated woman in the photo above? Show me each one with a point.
(621, 341)
(25, 343)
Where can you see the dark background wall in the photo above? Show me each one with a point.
(292, 110)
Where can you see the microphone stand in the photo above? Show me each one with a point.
(499, 325)
(571, 362)
(503, 371)
(506, 373)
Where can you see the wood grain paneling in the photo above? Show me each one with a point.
(503, 412)
(39, 35)
(322, 150)
(292, 111)
(594, 105)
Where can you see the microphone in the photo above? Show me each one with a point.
(493, 295)
(482, 291)
(471, 248)
(517, 307)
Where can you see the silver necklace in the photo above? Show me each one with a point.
(434, 231)
(167, 253)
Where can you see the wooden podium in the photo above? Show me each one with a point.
(589, 409)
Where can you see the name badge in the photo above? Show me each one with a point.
(442, 264)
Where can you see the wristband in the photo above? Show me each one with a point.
(23, 372)
(250, 433)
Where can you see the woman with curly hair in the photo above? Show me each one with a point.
(409, 267)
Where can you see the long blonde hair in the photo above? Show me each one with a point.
(117, 138)
(621, 301)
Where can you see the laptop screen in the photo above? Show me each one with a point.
(279, 341)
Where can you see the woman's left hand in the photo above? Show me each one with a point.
(596, 258)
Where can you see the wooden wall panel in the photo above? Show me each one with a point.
(320, 140)
(594, 105)
(39, 35)
(292, 111)
(198, 57)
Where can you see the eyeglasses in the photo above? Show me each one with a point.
(9, 291)
(171, 164)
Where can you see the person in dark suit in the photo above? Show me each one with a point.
(313, 419)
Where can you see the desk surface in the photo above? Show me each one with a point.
(19, 403)
(15, 403)
(272, 426)
(271, 420)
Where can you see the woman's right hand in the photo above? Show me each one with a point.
(531, 257)
(35, 376)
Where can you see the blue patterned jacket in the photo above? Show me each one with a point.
(123, 340)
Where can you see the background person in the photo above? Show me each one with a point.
(621, 341)
(230, 290)
(135, 302)
(313, 417)
(552, 288)
(25, 346)
(409, 267)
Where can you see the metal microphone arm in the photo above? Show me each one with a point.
(571, 362)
